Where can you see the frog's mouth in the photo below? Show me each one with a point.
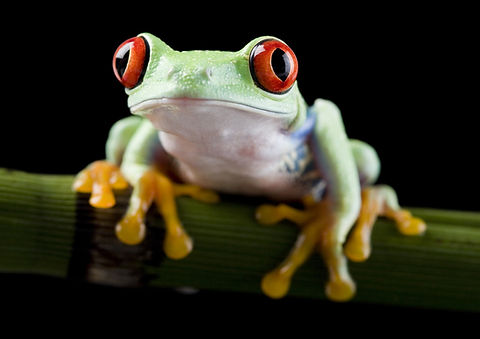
(173, 104)
(198, 119)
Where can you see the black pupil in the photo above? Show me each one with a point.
(121, 62)
(281, 64)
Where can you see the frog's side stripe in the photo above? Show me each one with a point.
(300, 164)
(306, 129)
(296, 161)
(299, 161)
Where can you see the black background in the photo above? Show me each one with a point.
(404, 78)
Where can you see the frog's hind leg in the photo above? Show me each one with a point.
(376, 201)
(379, 201)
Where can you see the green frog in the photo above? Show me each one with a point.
(235, 122)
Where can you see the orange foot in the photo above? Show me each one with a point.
(316, 233)
(155, 187)
(379, 201)
(99, 178)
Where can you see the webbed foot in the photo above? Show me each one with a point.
(276, 283)
(316, 223)
(379, 201)
(155, 187)
(99, 179)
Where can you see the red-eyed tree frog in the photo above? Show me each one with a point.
(235, 122)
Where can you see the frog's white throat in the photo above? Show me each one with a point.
(210, 123)
(222, 145)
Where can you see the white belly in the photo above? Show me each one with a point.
(227, 148)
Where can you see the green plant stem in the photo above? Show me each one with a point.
(47, 229)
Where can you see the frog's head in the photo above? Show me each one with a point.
(260, 78)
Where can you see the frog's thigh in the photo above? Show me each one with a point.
(366, 160)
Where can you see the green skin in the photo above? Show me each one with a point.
(194, 79)
(173, 74)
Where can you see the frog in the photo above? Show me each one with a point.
(207, 122)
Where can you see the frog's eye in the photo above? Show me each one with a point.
(130, 61)
(273, 65)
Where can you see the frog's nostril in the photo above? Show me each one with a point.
(172, 71)
(209, 73)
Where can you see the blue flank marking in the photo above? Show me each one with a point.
(307, 173)
(306, 129)
(299, 137)
(294, 158)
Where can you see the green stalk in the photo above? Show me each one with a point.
(47, 229)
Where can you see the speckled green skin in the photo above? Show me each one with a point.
(225, 76)
(213, 75)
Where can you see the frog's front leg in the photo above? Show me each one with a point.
(136, 149)
(329, 221)
(155, 187)
(101, 177)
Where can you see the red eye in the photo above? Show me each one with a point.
(130, 61)
(273, 65)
